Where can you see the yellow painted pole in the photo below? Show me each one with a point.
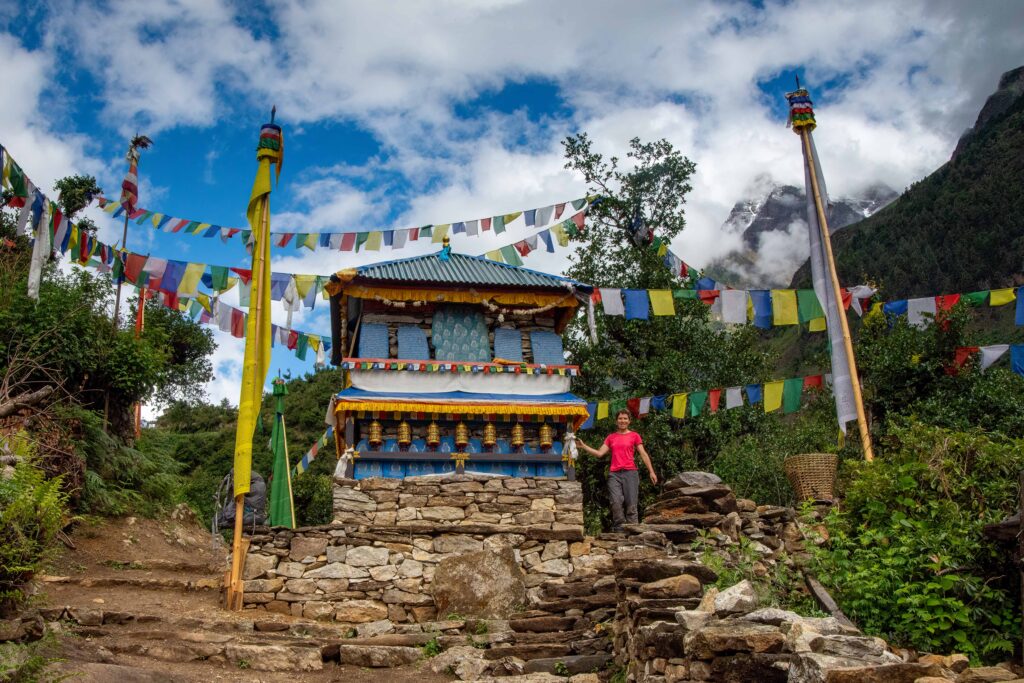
(862, 423)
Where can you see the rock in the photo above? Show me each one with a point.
(554, 568)
(542, 624)
(482, 584)
(303, 547)
(85, 616)
(366, 556)
(263, 585)
(555, 550)
(692, 479)
(275, 657)
(573, 664)
(410, 569)
(456, 543)
(377, 656)
(349, 500)
(682, 586)
(707, 603)
(360, 611)
(986, 674)
(646, 571)
(385, 573)
(336, 570)
(736, 599)
(442, 513)
(734, 636)
(317, 610)
(257, 565)
(400, 597)
(691, 619)
(812, 667)
(773, 616)
(375, 628)
(466, 662)
(854, 647)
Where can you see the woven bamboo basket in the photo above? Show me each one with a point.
(812, 475)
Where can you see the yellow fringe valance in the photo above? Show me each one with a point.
(463, 297)
(577, 411)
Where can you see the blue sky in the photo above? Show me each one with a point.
(407, 113)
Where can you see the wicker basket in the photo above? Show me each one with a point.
(812, 475)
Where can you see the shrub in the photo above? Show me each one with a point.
(32, 510)
(907, 558)
(314, 499)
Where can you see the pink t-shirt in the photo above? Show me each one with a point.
(622, 446)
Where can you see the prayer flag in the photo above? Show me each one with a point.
(257, 340)
(733, 398)
(791, 391)
(189, 284)
(511, 256)
(976, 298)
(281, 509)
(762, 300)
(990, 354)
(893, 309)
(784, 307)
(602, 410)
(754, 393)
(713, 398)
(499, 224)
(808, 305)
(637, 304)
(817, 325)
(591, 414)
(1000, 297)
(661, 302)
(917, 309)
(697, 400)
(734, 306)
(813, 382)
(633, 406)
(773, 395)
(1020, 307)
(174, 271)
(611, 300)
(373, 241)
(960, 358)
(945, 302)
(1017, 358)
(679, 406)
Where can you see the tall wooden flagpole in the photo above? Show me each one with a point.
(802, 119)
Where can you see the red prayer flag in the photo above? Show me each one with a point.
(243, 274)
(237, 323)
(813, 382)
(522, 247)
(578, 220)
(286, 238)
(348, 241)
(133, 267)
(559, 208)
(595, 296)
(713, 396)
(171, 300)
(181, 224)
(945, 302)
(633, 405)
(485, 223)
(960, 358)
(293, 339)
(708, 296)
(847, 299)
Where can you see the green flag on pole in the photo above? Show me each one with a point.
(282, 509)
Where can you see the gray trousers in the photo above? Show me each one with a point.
(623, 492)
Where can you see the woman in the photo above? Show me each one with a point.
(623, 478)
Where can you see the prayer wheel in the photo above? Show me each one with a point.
(404, 433)
(461, 435)
(490, 435)
(517, 436)
(376, 434)
(433, 434)
(546, 435)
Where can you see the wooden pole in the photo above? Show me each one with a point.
(124, 245)
(862, 423)
(1020, 550)
(140, 322)
(234, 596)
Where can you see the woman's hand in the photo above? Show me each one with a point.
(654, 477)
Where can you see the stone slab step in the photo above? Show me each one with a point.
(529, 652)
(573, 664)
(210, 583)
(543, 624)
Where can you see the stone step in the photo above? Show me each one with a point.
(585, 603)
(572, 664)
(529, 652)
(545, 624)
(260, 656)
(203, 583)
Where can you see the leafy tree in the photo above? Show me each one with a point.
(74, 193)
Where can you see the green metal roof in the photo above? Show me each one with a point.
(461, 269)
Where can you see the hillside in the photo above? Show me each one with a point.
(958, 230)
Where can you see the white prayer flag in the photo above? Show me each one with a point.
(916, 310)
(611, 300)
(990, 354)
(733, 398)
(734, 305)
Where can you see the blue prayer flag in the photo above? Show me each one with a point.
(637, 304)
(895, 308)
(592, 410)
(658, 402)
(705, 283)
(762, 300)
(755, 393)
(173, 273)
(1017, 358)
(530, 216)
(1020, 306)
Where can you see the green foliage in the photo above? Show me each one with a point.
(74, 193)
(431, 648)
(32, 510)
(120, 479)
(314, 499)
(561, 669)
(907, 558)
(29, 662)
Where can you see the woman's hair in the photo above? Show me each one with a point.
(624, 412)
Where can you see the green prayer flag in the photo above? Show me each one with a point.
(578, 203)
(697, 401)
(685, 294)
(498, 223)
(16, 178)
(808, 306)
(614, 407)
(301, 346)
(361, 238)
(792, 389)
(282, 512)
(975, 298)
(218, 278)
(511, 256)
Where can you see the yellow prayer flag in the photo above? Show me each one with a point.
(374, 240)
(661, 301)
(257, 333)
(679, 406)
(190, 280)
(314, 341)
(750, 308)
(310, 241)
(303, 283)
(784, 308)
(202, 227)
(509, 217)
(156, 218)
(204, 301)
(772, 395)
(495, 256)
(111, 207)
(602, 410)
(561, 236)
(1000, 297)
(817, 325)
(439, 233)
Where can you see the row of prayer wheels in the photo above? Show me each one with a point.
(376, 437)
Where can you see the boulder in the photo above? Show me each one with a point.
(682, 586)
(736, 599)
(812, 667)
(986, 674)
(466, 662)
(257, 565)
(377, 656)
(275, 657)
(692, 479)
(482, 584)
(733, 636)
